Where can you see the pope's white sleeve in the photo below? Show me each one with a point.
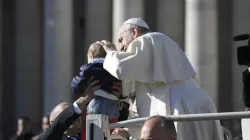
(131, 65)
(111, 63)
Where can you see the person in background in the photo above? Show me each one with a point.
(45, 123)
(246, 89)
(24, 129)
(158, 128)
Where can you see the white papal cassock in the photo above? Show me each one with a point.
(164, 84)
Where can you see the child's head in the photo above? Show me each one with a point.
(96, 51)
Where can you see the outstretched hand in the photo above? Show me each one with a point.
(107, 46)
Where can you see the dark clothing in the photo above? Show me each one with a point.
(22, 137)
(70, 138)
(124, 111)
(62, 122)
(246, 88)
(95, 69)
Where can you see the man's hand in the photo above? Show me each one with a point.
(88, 94)
(107, 46)
(122, 132)
(117, 89)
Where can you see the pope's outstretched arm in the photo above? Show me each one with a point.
(133, 64)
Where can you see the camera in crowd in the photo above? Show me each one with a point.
(243, 56)
(243, 52)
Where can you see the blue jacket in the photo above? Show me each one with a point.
(95, 69)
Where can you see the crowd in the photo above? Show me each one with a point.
(147, 66)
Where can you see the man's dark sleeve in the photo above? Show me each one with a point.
(62, 122)
(246, 88)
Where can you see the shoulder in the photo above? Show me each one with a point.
(90, 66)
(151, 37)
(85, 66)
(153, 34)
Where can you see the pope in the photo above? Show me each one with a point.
(164, 79)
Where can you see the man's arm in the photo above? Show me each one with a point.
(61, 124)
(70, 114)
(133, 64)
(80, 80)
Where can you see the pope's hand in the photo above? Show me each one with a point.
(107, 46)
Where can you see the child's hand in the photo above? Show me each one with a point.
(117, 89)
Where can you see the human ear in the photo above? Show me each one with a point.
(136, 32)
(91, 56)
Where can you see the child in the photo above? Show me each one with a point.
(104, 102)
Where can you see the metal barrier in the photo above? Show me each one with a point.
(102, 128)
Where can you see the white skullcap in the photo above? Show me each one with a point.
(137, 22)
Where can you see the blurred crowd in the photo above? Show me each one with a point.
(26, 131)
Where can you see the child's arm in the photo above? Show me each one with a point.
(80, 81)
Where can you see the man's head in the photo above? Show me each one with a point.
(96, 51)
(130, 30)
(45, 123)
(24, 126)
(75, 128)
(158, 128)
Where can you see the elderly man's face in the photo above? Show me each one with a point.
(125, 37)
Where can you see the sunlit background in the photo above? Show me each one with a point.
(43, 43)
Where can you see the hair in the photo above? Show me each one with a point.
(142, 30)
(166, 123)
(97, 51)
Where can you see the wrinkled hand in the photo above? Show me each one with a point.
(88, 93)
(117, 88)
(107, 46)
(122, 132)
